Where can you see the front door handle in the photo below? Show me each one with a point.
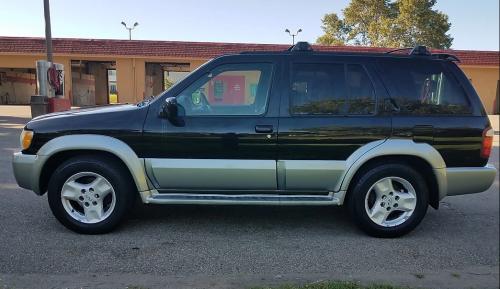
(264, 128)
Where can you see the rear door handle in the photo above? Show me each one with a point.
(264, 128)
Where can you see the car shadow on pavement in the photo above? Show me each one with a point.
(235, 217)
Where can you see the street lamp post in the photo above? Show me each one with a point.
(48, 33)
(293, 35)
(130, 29)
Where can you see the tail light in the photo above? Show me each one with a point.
(488, 134)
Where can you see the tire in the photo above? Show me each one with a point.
(388, 200)
(90, 194)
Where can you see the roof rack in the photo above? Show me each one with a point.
(421, 50)
(399, 49)
(417, 50)
(446, 56)
(301, 46)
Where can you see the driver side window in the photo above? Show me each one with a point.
(231, 89)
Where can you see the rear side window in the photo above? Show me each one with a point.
(330, 89)
(424, 88)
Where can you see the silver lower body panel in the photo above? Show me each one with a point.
(27, 170)
(471, 180)
(212, 173)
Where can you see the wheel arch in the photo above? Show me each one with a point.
(62, 148)
(421, 156)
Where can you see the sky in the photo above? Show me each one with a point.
(475, 24)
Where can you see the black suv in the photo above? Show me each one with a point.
(385, 134)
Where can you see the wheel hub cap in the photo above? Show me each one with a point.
(390, 201)
(88, 197)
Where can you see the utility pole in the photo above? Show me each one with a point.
(48, 33)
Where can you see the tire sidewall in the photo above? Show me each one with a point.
(370, 177)
(107, 170)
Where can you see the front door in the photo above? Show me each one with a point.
(226, 138)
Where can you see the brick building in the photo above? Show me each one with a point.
(99, 71)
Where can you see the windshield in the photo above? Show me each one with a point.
(148, 99)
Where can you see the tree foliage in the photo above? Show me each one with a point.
(398, 23)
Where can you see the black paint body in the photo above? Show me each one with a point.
(457, 138)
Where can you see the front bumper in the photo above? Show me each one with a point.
(27, 170)
(460, 181)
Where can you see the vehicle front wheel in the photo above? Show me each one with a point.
(90, 195)
(389, 200)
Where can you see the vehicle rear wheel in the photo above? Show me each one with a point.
(389, 200)
(90, 195)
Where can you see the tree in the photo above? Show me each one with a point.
(336, 31)
(365, 19)
(399, 23)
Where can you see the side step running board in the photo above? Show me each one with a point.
(215, 199)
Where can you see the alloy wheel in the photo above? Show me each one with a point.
(390, 201)
(88, 197)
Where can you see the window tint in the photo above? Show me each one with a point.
(424, 87)
(362, 97)
(323, 89)
(235, 89)
(318, 89)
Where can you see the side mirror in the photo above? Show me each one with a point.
(170, 111)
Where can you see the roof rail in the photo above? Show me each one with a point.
(446, 56)
(399, 49)
(417, 50)
(301, 46)
(420, 50)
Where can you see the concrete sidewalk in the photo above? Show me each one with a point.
(23, 111)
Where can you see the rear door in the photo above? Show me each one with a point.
(333, 107)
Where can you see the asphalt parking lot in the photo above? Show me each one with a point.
(456, 246)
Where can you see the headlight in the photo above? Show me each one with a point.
(26, 138)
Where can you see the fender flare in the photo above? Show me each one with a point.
(392, 147)
(97, 143)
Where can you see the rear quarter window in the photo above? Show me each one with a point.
(423, 87)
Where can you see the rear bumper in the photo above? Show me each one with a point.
(27, 171)
(460, 181)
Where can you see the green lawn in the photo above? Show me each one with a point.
(333, 285)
